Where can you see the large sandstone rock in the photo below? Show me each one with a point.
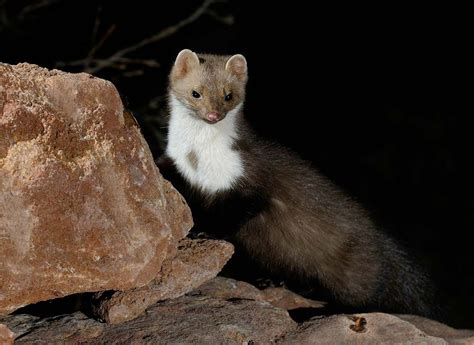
(185, 320)
(196, 262)
(82, 205)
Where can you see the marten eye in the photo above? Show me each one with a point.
(196, 94)
(228, 97)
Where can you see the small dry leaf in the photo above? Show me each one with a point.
(360, 323)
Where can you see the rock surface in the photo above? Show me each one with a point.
(286, 299)
(438, 329)
(82, 205)
(226, 288)
(6, 336)
(373, 328)
(196, 262)
(185, 320)
(201, 317)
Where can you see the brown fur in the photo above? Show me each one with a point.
(289, 218)
(309, 229)
(202, 78)
(193, 160)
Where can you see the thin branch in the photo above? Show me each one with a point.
(36, 6)
(120, 63)
(227, 20)
(169, 31)
(96, 47)
(96, 27)
(3, 15)
(144, 62)
(118, 60)
(95, 31)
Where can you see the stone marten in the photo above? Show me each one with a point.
(274, 206)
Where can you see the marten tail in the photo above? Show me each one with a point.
(404, 288)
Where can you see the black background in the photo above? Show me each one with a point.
(378, 98)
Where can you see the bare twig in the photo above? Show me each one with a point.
(144, 62)
(227, 20)
(95, 31)
(152, 39)
(96, 47)
(36, 6)
(118, 60)
(96, 27)
(119, 63)
(4, 21)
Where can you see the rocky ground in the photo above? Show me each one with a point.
(225, 311)
(84, 210)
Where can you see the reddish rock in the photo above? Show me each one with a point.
(438, 329)
(286, 299)
(82, 205)
(373, 328)
(185, 320)
(6, 336)
(226, 288)
(196, 262)
(201, 319)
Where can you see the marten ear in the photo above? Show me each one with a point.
(237, 65)
(185, 61)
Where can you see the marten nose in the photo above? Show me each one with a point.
(213, 116)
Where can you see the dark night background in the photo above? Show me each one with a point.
(376, 97)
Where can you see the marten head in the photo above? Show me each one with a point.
(211, 86)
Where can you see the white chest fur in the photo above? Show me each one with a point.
(203, 152)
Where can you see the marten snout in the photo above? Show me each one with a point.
(214, 116)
